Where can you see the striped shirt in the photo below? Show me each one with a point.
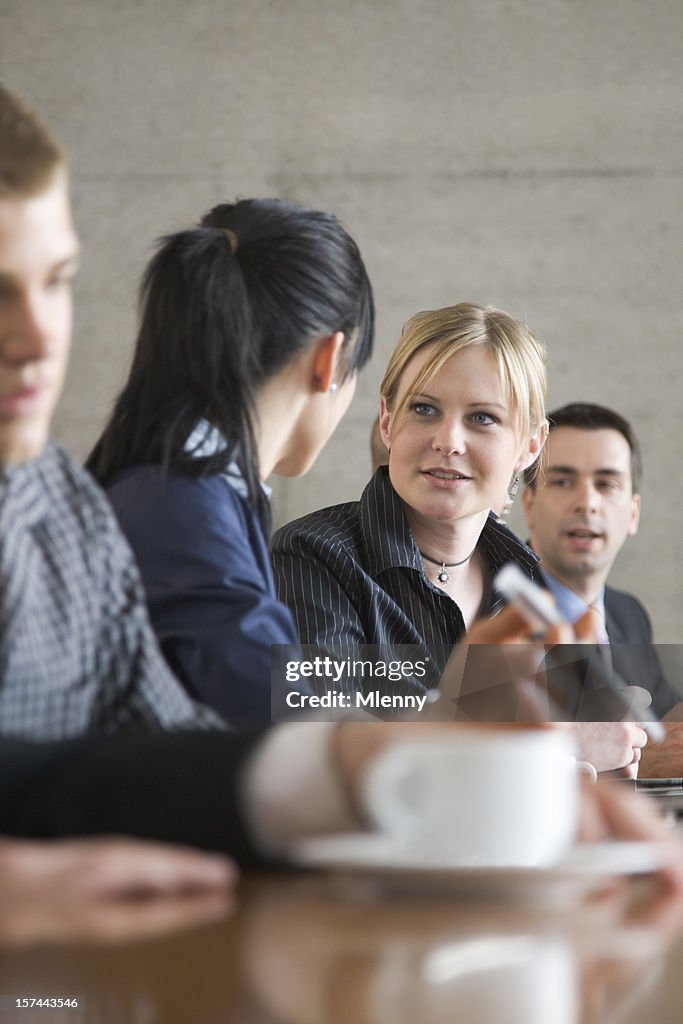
(353, 576)
(77, 653)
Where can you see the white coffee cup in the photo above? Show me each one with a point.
(484, 797)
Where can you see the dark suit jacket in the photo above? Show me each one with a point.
(576, 675)
(634, 659)
(633, 653)
(176, 787)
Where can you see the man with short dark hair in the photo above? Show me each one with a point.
(581, 509)
(585, 503)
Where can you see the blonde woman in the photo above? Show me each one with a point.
(412, 562)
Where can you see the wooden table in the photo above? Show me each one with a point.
(295, 950)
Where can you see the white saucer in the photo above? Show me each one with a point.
(379, 858)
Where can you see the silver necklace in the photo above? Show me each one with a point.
(443, 576)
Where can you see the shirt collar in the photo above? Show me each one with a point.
(389, 541)
(571, 606)
(23, 494)
(206, 440)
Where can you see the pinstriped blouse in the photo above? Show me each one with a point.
(352, 575)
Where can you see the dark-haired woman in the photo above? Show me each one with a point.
(253, 328)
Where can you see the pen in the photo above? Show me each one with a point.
(540, 611)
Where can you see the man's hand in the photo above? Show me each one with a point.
(610, 745)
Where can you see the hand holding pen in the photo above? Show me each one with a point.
(540, 611)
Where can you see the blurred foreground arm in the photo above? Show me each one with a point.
(247, 796)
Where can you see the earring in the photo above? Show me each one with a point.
(510, 496)
(333, 387)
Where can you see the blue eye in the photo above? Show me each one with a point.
(423, 408)
(484, 419)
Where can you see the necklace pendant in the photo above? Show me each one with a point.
(443, 575)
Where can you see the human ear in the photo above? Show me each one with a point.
(326, 360)
(635, 515)
(534, 447)
(385, 422)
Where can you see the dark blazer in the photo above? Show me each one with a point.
(634, 659)
(175, 787)
(633, 653)
(205, 565)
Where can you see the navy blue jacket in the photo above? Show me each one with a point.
(206, 569)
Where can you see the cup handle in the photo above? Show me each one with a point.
(384, 785)
(586, 768)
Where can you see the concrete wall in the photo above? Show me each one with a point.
(527, 154)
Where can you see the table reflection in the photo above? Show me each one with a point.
(297, 949)
(407, 961)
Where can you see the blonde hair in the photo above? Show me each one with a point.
(520, 357)
(30, 156)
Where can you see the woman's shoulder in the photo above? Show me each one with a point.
(149, 494)
(336, 526)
